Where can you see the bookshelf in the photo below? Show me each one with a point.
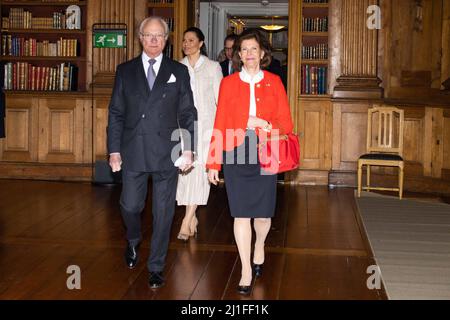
(314, 55)
(166, 9)
(43, 48)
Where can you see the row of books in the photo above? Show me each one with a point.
(19, 18)
(315, 1)
(19, 46)
(314, 79)
(168, 51)
(315, 24)
(318, 51)
(170, 23)
(161, 1)
(24, 76)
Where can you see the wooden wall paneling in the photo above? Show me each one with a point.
(334, 43)
(402, 39)
(349, 134)
(294, 67)
(181, 18)
(113, 11)
(92, 7)
(315, 134)
(399, 26)
(21, 125)
(416, 150)
(101, 122)
(445, 65)
(87, 131)
(359, 53)
(421, 44)
(61, 130)
(437, 152)
(328, 148)
(435, 31)
(428, 137)
(446, 144)
(193, 11)
(310, 136)
(435, 142)
(416, 52)
(140, 13)
(385, 45)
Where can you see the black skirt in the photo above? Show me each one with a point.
(251, 192)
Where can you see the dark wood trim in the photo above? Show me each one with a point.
(58, 172)
(58, 31)
(308, 177)
(46, 58)
(48, 94)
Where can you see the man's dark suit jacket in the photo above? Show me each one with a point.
(224, 65)
(275, 67)
(141, 122)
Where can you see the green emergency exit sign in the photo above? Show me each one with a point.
(110, 40)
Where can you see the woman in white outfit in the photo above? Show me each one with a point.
(206, 75)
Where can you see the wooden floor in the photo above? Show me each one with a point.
(315, 250)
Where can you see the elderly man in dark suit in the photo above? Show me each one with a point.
(152, 98)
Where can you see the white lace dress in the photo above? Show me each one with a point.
(193, 187)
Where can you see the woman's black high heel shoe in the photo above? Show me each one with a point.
(258, 270)
(245, 290)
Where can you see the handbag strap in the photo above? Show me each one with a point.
(278, 137)
(262, 144)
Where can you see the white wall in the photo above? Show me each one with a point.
(213, 23)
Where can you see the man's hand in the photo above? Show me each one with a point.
(115, 162)
(188, 157)
(213, 176)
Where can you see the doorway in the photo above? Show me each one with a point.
(217, 19)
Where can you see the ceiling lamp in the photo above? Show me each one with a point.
(270, 27)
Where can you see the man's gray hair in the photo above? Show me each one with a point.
(160, 20)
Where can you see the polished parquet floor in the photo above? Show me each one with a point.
(315, 250)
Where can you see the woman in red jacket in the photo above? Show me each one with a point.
(252, 106)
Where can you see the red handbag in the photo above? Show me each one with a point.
(279, 154)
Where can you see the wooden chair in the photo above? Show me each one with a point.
(384, 145)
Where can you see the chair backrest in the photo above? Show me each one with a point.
(385, 130)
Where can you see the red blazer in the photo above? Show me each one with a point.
(233, 112)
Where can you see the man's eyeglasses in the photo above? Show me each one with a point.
(150, 36)
(228, 49)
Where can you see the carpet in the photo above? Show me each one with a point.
(410, 240)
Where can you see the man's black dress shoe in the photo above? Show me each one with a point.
(258, 269)
(131, 255)
(245, 290)
(156, 280)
